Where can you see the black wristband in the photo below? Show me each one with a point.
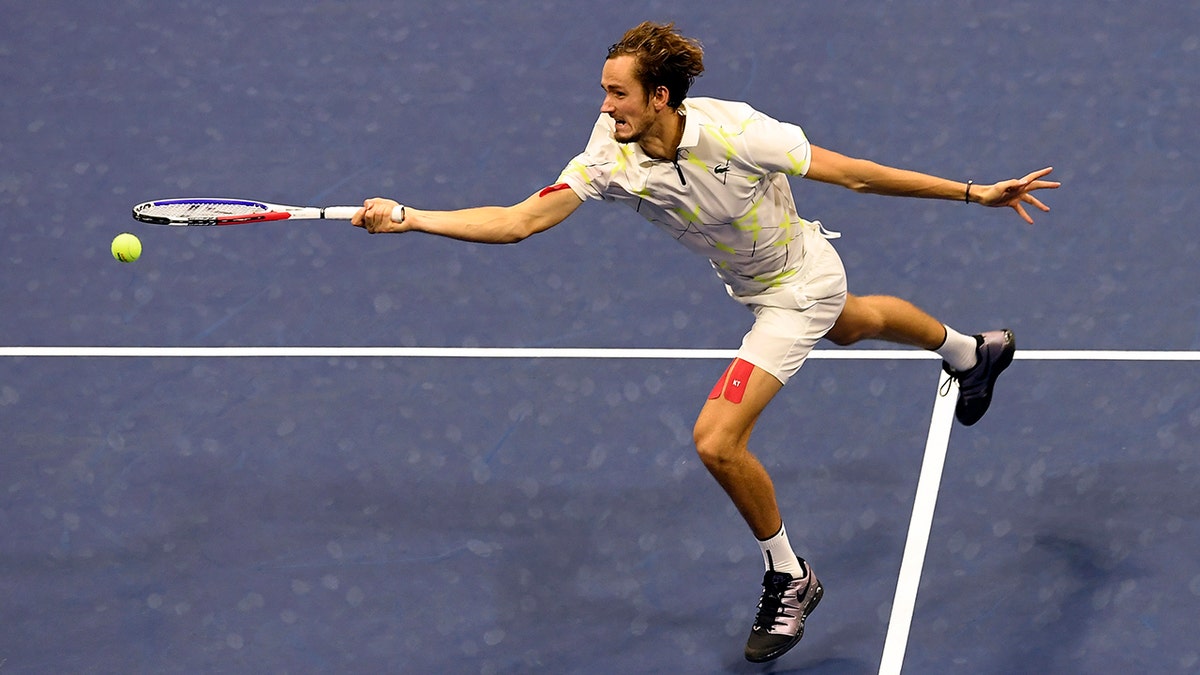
(967, 196)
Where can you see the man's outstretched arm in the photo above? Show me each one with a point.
(483, 224)
(862, 175)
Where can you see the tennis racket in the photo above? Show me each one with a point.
(217, 211)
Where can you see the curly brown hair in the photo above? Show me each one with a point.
(665, 58)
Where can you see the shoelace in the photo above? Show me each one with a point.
(944, 390)
(770, 608)
(979, 388)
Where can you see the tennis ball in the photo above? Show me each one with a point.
(126, 247)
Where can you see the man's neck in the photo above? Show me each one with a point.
(664, 143)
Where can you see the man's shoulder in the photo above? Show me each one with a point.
(738, 118)
(720, 111)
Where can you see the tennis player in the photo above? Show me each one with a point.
(713, 175)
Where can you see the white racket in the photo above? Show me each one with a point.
(205, 211)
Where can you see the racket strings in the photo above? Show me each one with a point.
(200, 209)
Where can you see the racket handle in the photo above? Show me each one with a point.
(339, 212)
(347, 212)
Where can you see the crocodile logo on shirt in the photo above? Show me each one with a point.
(721, 172)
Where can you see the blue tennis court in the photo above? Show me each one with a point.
(294, 447)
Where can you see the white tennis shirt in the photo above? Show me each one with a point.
(726, 196)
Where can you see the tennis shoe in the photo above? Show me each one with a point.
(975, 384)
(786, 602)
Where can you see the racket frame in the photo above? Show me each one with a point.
(266, 212)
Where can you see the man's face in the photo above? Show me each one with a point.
(625, 100)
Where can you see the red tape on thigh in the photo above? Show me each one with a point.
(734, 381)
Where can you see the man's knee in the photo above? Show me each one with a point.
(860, 320)
(843, 336)
(715, 445)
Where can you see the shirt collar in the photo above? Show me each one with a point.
(691, 126)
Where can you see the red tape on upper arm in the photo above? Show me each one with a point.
(553, 188)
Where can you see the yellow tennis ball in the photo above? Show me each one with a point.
(126, 247)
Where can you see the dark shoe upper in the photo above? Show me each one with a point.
(975, 385)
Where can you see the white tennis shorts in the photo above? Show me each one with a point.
(789, 321)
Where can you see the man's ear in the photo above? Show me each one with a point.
(660, 97)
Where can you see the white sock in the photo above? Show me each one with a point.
(778, 554)
(958, 350)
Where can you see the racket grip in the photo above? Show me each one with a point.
(347, 212)
(339, 212)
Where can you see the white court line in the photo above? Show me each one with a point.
(928, 484)
(557, 353)
(919, 527)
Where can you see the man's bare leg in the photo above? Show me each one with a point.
(722, 436)
(882, 317)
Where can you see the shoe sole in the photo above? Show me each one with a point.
(771, 656)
